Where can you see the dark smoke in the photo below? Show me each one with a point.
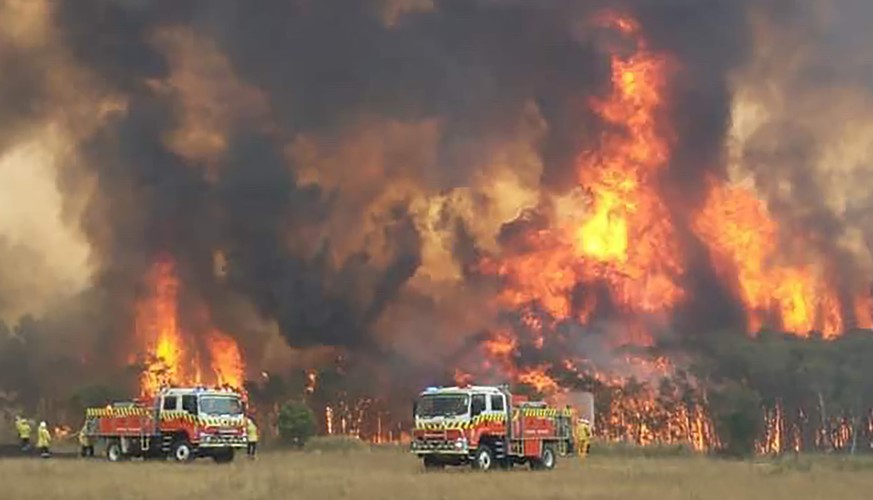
(474, 68)
(21, 92)
(473, 65)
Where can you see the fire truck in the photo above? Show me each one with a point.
(179, 423)
(487, 426)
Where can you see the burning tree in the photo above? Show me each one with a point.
(172, 356)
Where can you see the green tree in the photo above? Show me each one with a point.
(296, 423)
(736, 412)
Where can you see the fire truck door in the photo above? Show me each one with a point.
(497, 424)
(497, 408)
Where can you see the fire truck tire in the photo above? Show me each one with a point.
(484, 458)
(432, 464)
(547, 459)
(182, 451)
(113, 451)
(223, 457)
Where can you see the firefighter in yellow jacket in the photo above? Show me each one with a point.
(23, 428)
(43, 440)
(252, 433)
(583, 437)
(85, 443)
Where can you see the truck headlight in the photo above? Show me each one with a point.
(461, 443)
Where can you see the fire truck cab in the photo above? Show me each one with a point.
(180, 423)
(487, 426)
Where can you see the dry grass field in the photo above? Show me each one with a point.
(389, 474)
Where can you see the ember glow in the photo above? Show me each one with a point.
(172, 355)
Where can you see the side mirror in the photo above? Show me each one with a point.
(414, 410)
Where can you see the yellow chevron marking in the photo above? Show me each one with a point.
(164, 415)
(498, 417)
(116, 412)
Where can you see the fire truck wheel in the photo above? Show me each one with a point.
(182, 451)
(223, 457)
(431, 463)
(113, 451)
(484, 458)
(548, 458)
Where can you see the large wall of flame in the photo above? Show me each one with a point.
(353, 162)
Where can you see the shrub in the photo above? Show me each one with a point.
(296, 423)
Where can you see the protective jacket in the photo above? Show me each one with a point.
(251, 430)
(44, 438)
(23, 428)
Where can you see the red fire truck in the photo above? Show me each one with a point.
(181, 423)
(487, 427)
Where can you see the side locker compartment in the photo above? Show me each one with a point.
(562, 433)
(517, 446)
(150, 429)
(533, 448)
(164, 438)
(513, 446)
(497, 425)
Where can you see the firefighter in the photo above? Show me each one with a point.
(85, 442)
(43, 440)
(23, 427)
(583, 436)
(252, 433)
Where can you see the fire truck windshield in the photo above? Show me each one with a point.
(220, 405)
(442, 405)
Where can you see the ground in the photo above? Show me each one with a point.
(391, 473)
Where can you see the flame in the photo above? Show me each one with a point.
(156, 323)
(311, 381)
(625, 241)
(62, 432)
(500, 345)
(628, 238)
(618, 238)
(538, 379)
(328, 420)
(617, 248)
(227, 364)
(357, 419)
(742, 239)
(462, 378)
(172, 355)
